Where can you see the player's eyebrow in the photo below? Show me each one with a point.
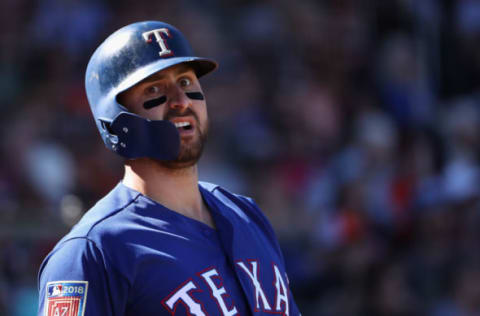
(159, 76)
(154, 77)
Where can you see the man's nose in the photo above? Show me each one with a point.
(178, 99)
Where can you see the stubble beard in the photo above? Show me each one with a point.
(190, 151)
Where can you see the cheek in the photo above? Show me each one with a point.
(202, 114)
(131, 103)
(156, 113)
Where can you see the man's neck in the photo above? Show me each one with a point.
(176, 189)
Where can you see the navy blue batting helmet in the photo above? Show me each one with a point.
(125, 58)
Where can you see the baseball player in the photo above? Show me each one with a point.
(161, 242)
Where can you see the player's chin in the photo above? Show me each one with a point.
(188, 156)
(191, 150)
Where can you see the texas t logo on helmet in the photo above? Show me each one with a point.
(158, 33)
(125, 58)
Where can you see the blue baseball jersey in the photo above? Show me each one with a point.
(130, 255)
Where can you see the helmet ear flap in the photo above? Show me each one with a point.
(137, 137)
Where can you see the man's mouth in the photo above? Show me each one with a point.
(183, 126)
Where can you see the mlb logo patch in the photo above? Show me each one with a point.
(66, 298)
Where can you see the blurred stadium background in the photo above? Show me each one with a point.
(353, 124)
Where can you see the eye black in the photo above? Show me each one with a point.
(195, 95)
(154, 102)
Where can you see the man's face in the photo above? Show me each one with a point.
(173, 94)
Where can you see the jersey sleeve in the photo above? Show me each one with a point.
(77, 279)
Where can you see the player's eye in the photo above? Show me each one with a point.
(185, 82)
(152, 90)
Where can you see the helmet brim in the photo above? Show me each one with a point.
(200, 65)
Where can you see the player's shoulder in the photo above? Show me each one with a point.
(99, 218)
(95, 232)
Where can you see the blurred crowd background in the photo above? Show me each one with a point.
(353, 124)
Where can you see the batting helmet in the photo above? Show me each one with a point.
(125, 58)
